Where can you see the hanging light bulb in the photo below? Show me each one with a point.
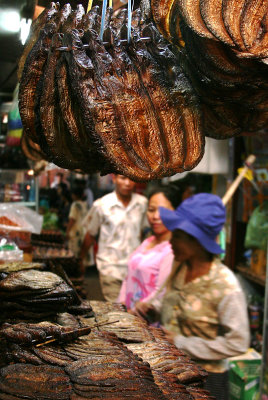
(25, 25)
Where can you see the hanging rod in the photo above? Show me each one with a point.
(85, 46)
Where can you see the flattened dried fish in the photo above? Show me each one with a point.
(30, 280)
(211, 11)
(231, 13)
(35, 382)
(37, 25)
(254, 27)
(190, 11)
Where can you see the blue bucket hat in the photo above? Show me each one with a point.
(201, 216)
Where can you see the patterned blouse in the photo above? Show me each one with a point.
(209, 314)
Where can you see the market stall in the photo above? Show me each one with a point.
(133, 93)
(53, 347)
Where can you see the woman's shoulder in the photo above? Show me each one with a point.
(146, 242)
(225, 276)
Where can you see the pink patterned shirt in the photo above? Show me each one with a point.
(147, 271)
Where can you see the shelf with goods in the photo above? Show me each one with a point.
(252, 231)
(20, 187)
(249, 261)
(251, 276)
(264, 369)
(249, 196)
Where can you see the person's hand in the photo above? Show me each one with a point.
(133, 312)
(142, 308)
(170, 336)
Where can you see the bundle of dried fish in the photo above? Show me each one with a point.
(176, 391)
(28, 281)
(142, 109)
(30, 334)
(81, 373)
(224, 44)
(13, 266)
(67, 319)
(242, 24)
(33, 293)
(103, 307)
(31, 149)
(73, 105)
(18, 381)
(129, 328)
(166, 358)
(232, 90)
(20, 339)
(38, 24)
(94, 366)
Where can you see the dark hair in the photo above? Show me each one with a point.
(64, 191)
(171, 192)
(78, 191)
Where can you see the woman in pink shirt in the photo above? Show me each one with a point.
(150, 264)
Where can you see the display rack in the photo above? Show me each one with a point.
(264, 368)
(19, 187)
(251, 276)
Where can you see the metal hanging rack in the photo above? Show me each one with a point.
(123, 41)
(104, 9)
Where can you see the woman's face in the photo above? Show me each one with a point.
(183, 245)
(156, 201)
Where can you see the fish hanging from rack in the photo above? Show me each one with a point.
(105, 92)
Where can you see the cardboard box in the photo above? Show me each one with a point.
(244, 379)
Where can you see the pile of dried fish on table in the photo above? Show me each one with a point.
(97, 365)
(28, 292)
(128, 329)
(148, 343)
(143, 108)
(109, 354)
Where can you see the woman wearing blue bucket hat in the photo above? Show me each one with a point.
(204, 310)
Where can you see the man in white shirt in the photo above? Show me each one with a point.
(117, 219)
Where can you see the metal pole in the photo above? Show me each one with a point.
(264, 366)
(36, 182)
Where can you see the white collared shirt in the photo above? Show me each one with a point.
(118, 229)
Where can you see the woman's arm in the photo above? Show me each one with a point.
(122, 293)
(155, 297)
(232, 312)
